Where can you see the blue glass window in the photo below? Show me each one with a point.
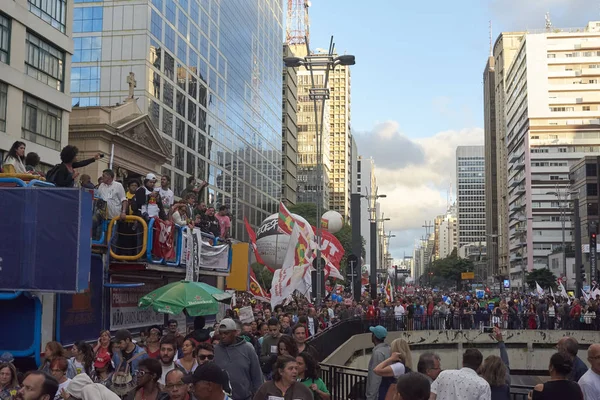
(183, 24)
(87, 49)
(156, 25)
(182, 49)
(158, 4)
(170, 14)
(85, 101)
(204, 46)
(194, 10)
(87, 19)
(85, 79)
(193, 61)
(194, 36)
(184, 4)
(170, 38)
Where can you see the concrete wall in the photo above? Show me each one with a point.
(527, 349)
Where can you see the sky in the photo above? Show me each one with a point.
(417, 88)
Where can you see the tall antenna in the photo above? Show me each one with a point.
(297, 31)
(548, 21)
(491, 49)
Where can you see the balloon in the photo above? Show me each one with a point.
(271, 242)
(467, 297)
(332, 221)
(444, 298)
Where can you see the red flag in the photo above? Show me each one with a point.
(163, 239)
(257, 291)
(331, 248)
(252, 235)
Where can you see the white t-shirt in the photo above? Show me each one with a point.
(461, 384)
(399, 311)
(79, 367)
(165, 370)
(166, 196)
(61, 386)
(114, 195)
(590, 385)
(398, 369)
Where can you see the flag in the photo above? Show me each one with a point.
(563, 292)
(286, 220)
(389, 290)
(252, 236)
(585, 295)
(286, 281)
(539, 290)
(256, 290)
(551, 292)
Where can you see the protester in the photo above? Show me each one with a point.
(64, 174)
(429, 365)
(14, 162)
(559, 387)
(188, 361)
(9, 383)
(38, 385)
(55, 350)
(589, 382)
(168, 351)
(308, 374)
(129, 353)
(413, 386)
(83, 357)
(83, 388)
(58, 369)
(147, 386)
(464, 383)
(377, 387)
(570, 347)
(209, 382)
(285, 383)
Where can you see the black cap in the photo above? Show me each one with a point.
(208, 372)
(122, 334)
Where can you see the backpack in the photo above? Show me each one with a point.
(122, 381)
(51, 175)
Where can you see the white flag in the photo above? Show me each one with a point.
(285, 281)
(539, 290)
(551, 292)
(563, 292)
(585, 295)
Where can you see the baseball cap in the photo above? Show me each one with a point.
(379, 331)
(151, 177)
(122, 334)
(227, 325)
(102, 359)
(208, 372)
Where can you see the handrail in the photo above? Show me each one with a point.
(9, 295)
(16, 181)
(35, 347)
(128, 218)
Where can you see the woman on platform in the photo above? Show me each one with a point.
(14, 163)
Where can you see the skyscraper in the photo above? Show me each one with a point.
(470, 177)
(366, 185)
(553, 120)
(289, 133)
(208, 73)
(35, 60)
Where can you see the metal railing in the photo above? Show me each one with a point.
(125, 246)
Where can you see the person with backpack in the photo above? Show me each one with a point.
(64, 174)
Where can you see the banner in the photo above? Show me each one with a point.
(214, 258)
(300, 234)
(124, 311)
(286, 281)
(246, 315)
(257, 291)
(192, 244)
(203, 255)
(252, 236)
(389, 290)
(163, 242)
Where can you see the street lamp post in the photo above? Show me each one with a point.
(562, 195)
(373, 245)
(327, 63)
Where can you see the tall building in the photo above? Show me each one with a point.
(366, 185)
(470, 177)
(491, 161)
(553, 120)
(213, 93)
(505, 48)
(447, 233)
(340, 141)
(310, 185)
(289, 133)
(35, 60)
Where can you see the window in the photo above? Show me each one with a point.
(586, 108)
(171, 8)
(3, 102)
(87, 49)
(170, 38)
(53, 12)
(87, 19)
(44, 62)
(85, 79)
(42, 123)
(156, 25)
(4, 38)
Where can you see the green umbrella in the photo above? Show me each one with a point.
(196, 298)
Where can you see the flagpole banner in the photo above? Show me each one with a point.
(191, 244)
(214, 258)
(257, 291)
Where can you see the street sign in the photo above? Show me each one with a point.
(467, 275)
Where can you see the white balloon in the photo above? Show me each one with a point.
(332, 221)
(271, 242)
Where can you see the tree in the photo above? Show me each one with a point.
(446, 272)
(543, 277)
(308, 211)
(263, 275)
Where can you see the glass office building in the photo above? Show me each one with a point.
(208, 73)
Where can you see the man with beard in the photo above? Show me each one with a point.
(38, 385)
(168, 349)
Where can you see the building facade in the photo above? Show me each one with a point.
(470, 189)
(553, 120)
(35, 59)
(310, 185)
(491, 161)
(289, 133)
(214, 95)
(366, 185)
(447, 238)
(505, 48)
(340, 136)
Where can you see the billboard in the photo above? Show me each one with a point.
(124, 311)
(79, 315)
(45, 239)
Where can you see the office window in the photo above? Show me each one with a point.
(44, 62)
(85, 79)
(170, 38)
(4, 38)
(53, 12)
(87, 49)
(156, 25)
(42, 123)
(3, 102)
(171, 9)
(87, 19)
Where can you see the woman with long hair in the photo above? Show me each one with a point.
(14, 162)
(153, 342)
(286, 346)
(83, 357)
(559, 387)
(103, 369)
(531, 317)
(496, 370)
(285, 380)
(9, 383)
(188, 362)
(103, 344)
(55, 350)
(308, 374)
(398, 364)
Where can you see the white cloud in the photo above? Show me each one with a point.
(529, 14)
(416, 192)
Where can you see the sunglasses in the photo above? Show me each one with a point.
(203, 357)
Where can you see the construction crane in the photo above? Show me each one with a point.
(297, 31)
